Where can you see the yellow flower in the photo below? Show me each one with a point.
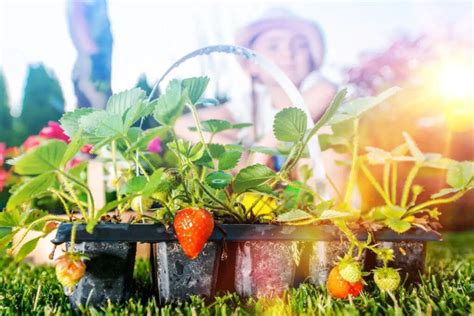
(265, 206)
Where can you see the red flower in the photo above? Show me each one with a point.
(31, 142)
(54, 131)
(3, 150)
(3, 178)
(73, 162)
(154, 145)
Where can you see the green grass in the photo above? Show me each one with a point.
(447, 289)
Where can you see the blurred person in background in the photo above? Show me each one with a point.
(297, 47)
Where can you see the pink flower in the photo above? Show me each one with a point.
(154, 145)
(3, 178)
(31, 142)
(86, 149)
(73, 162)
(3, 149)
(54, 131)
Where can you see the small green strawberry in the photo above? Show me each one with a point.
(349, 269)
(387, 279)
(141, 204)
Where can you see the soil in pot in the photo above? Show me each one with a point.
(324, 255)
(264, 268)
(109, 273)
(176, 277)
(409, 259)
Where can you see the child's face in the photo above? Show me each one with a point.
(288, 49)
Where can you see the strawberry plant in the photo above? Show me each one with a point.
(401, 210)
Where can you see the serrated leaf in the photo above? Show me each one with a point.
(214, 126)
(102, 124)
(129, 105)
(27, 248)
(251, 177)
(357, 107)
(234, 147)
(11, 218)
(290, 125)
(397, 225)
(44, 158)
(158, 183)
(170, 105)
(195, 87)
(218, 179)
(461, 175)
(229, 159)
(216, 150)
(31, 189)
(294, 216)
(70, 120)
(205, 161)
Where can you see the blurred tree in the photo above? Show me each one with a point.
(5, 117)
(43, 100)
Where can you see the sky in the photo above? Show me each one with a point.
(150, 35)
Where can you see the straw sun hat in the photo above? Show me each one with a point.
(283, 19)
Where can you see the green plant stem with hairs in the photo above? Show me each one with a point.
(408, 182)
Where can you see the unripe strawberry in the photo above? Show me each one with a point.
(338, 287)
(70, 269)
(350, 270)
(145, 204)
(387, 279)
(160, 196)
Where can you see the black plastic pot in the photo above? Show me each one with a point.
(108, 276)
(176, 277)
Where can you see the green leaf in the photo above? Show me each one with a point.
(397, 225)
(332, 214)
(70, 120)
(205, 161)
(290, 125)
(461, 175)
(337, 143)
(294, 216)
(218, 180)
(196, 152)
(393, 211)
(147, 136)
(444, 192)
(215, 126)
(251, 177)
(330, 112)
(26, 248)
(31, 189)
(44, 158)
(75, 145)
(229, 159)
(195, 87)
(216, 150)
(129, 105)
(263, 188)
(120, 102)
(170, 105)
(241, 125)
(357, 107)
(265, 150)
(11, 218)
(136, 184)
(413, 148)
(103, 124)
(158, 183)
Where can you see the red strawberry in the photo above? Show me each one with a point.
(70, 269)
(340, 288)
(193, 227)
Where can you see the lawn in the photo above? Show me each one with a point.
(447, 289)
